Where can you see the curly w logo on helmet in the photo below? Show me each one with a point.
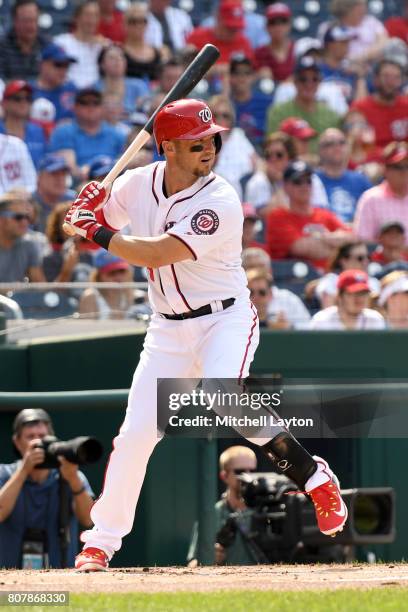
(205, 115)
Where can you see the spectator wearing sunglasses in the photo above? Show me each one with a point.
(302, 231)
(388, 200)
(305, 104)
(87, 136)
(20, 254)
(250, 104)
(52, 82)
(264, 189)
(349, 256)
(143, 58)
(277, 308)
(277, 59)
(17, 100)
(344, 187)
(234, 461)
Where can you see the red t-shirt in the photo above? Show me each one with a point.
(397, 27)
(284, 227)
(281, 69)
(239, 44)
(389, 122)
(113, 28)
(378, 256)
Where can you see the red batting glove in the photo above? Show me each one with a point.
(83, 220)
(91, 197)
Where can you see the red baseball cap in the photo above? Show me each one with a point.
(231, 14)
(249, 211)
(353, 281)
(15, 87)
(279, 9)
(299, 128)
(394, 153)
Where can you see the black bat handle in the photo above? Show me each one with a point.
(188, 80)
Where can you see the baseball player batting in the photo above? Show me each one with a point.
(186, 224)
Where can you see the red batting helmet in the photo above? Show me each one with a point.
(185, 120)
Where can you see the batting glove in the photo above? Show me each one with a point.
(93, 195)
(83, 220)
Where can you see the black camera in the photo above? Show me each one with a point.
(81, 450)
(283, 525)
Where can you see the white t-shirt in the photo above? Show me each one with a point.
(259, 190)
(365, 35)
(327, 92)
(291, 306)
(207, 217)
(328, 319)
(84, 72)
(16, 165)
(236, 159)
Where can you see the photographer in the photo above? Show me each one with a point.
(34, 501)
(233, 461)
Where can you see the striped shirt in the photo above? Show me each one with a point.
(377, 206)
(14, 64)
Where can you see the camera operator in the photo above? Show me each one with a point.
(233, 461)
(32, 503)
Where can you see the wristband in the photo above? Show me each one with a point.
(103, 236)
(81, 490)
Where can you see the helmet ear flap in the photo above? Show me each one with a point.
(217, 142)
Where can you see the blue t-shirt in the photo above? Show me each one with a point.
(36, 507)
(108, 141)
(61, 97)
(251, 116)
(345, 80)
(343, 192)
(35, 140)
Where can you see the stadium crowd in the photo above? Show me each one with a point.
(317, 147)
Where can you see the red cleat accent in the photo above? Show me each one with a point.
(331, 511)
(92, 560)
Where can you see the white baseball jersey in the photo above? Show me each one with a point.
(207, 217)
(16, 166)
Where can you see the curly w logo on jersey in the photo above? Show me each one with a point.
(205, 222)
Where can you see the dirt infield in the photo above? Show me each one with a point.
(172, 579)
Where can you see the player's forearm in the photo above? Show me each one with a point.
(137, 251)
(9, 493)
(149, 252)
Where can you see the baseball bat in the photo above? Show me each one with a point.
(186, 83)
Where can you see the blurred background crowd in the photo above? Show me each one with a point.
(315, 95)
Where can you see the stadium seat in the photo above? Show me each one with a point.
(44, 304)
(293, 274)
